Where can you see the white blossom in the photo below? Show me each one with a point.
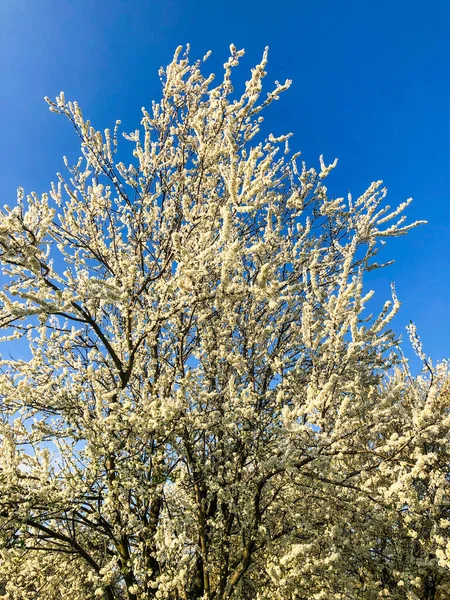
(208, 410)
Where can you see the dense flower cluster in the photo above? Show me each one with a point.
(208, 411)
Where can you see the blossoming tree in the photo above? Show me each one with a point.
(203, 413)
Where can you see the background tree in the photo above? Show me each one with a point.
(202, 412)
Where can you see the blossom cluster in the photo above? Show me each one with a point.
(208, 410)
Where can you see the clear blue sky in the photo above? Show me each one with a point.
(371, 86)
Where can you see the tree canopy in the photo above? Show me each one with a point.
(209, 410)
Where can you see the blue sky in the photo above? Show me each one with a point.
(371, 86)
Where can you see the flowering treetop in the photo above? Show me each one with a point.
(204, 393)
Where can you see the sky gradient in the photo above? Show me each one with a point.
(371, 86)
